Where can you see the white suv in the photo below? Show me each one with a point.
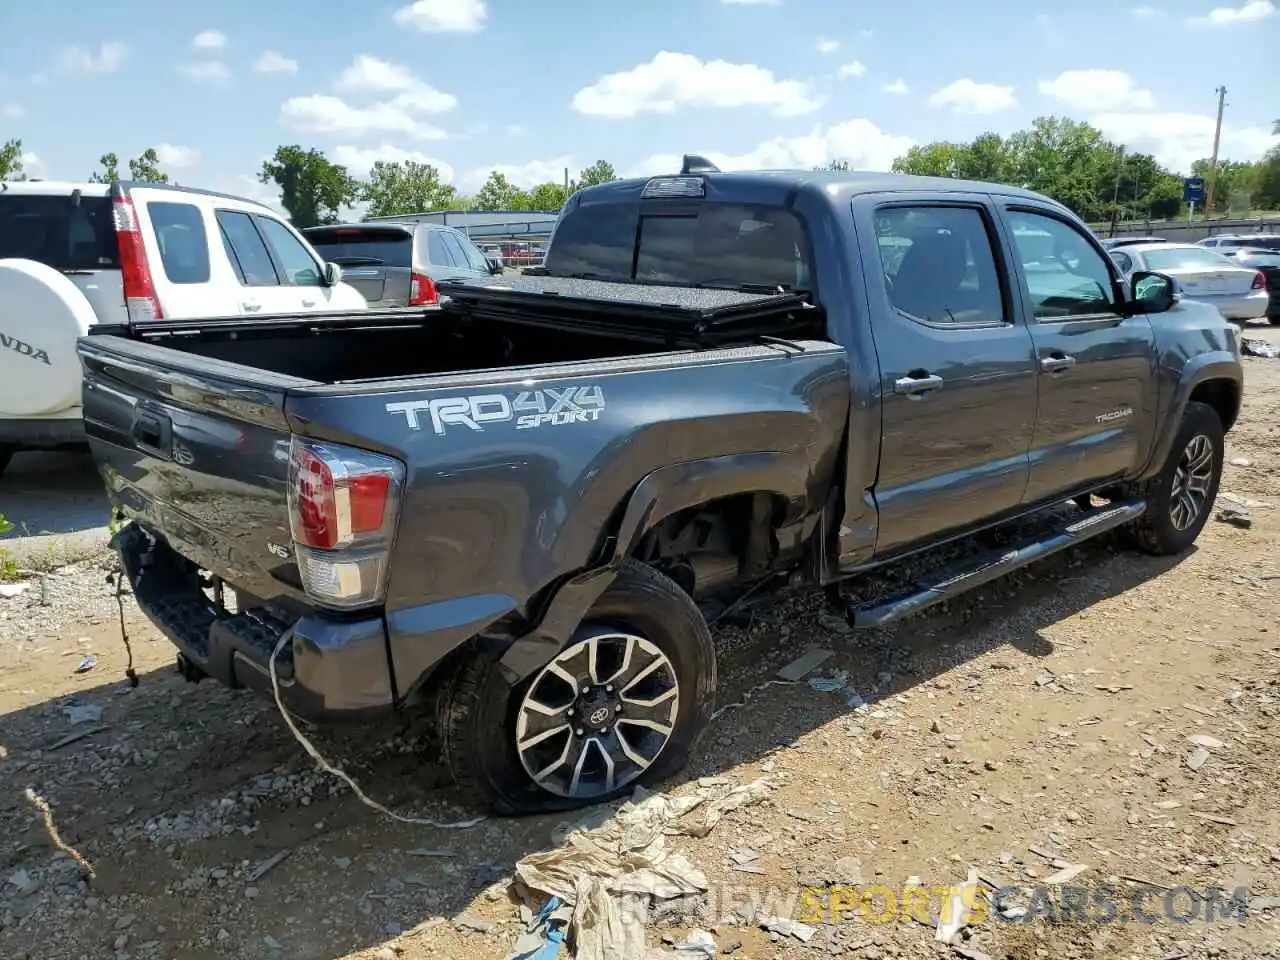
(76, 254)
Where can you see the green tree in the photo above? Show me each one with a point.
(408, 187)
(940, 159)
(1235, 184)
(835, 166)
(1267, 181)
(11, 160)
(312, 188)
(546, 196)
(498, 193)
(145, 168)
(599, 172)
(110, 171)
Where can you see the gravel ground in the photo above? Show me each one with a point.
(1102, 710)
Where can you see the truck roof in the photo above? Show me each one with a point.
(835, 186)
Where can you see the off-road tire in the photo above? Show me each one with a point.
(476, 708)
(1154, 532)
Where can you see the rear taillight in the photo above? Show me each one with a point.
(422, 290)
(135, 273)
(1259, 280)
(343, 508)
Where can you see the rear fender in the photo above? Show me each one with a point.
(661, 494)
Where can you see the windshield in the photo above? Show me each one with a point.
(725, 245)
(380, 246)
(52, 230)
(1181, 258)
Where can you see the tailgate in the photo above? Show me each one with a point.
(198, 451)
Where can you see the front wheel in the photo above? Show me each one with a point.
(1180, 497)
(621, 704)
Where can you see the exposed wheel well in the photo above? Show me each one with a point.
(1223, 396)
(716, 544)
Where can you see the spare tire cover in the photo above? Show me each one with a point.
(42, 313)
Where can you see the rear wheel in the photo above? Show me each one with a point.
(621, 704)
(1180, 497)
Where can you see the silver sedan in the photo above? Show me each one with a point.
(1239, 293)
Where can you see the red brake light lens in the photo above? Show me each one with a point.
(422, 291)
(1259, 280)
(135, 273)
(340, 497)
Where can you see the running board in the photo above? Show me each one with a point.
(953, 581)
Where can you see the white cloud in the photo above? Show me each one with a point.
(898, 87)
(320, 113)
(106, 59)
(522, 175)
(176, 157)
(443, 16)
(970, 97)
(826, 46)
(672, 80)
(1179, 139)
(515, 129)
(1097, 90)
(209, 40)
(215, 73)
(272, 62)
(251, 188)
(1144, 13)
(854, 68)
(360, 160)
(1248, 12)
(369, 74)
(32, 165)
(13, 111)
(860, 142)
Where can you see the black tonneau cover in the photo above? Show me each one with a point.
(651, 312)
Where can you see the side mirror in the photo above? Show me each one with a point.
(332, 274)
(495, 266)
(1153, 292)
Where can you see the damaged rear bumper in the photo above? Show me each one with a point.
(327, 669)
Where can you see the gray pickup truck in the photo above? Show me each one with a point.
(514, 507)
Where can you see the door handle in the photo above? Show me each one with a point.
(1056, 363)
(308, 303)
(916, 387)
(251, 305)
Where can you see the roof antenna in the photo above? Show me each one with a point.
(696, 164)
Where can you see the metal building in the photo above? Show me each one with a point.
(527, 225)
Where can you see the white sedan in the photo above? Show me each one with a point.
(1239, 293)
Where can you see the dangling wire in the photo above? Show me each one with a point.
(118, 579)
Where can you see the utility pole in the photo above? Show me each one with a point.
(1115, 194)
(1213, 161)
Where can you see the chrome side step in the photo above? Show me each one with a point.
(955, 580)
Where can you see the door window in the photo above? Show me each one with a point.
(1123, 260)
(454, 245)
(1066, 276)
(300, 268)
(184, 247)
(939, 265)
(248, 253)
(475, 259)
(439, 252)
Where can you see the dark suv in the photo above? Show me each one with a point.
(399, 264)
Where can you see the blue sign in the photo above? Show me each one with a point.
(1193, 190)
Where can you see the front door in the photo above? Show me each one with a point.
(958, 380)
(259, 289)
(1096, 367)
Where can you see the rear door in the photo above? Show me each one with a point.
(74, 234)
(471, 254)
(1095, 367)
(447, 261)
(376, 260)
(958, 380)
(259, 286)
(192, 275)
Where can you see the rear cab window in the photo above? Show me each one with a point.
(61, 231)
(703, 244)
(353, 246)
(184, 246)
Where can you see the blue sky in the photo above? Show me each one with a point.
(532, 88)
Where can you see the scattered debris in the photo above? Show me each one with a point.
(76, 737)
(10, 590)
(805, 664)
(87, 664)
(79, 713)
(955, 914)
(1235, 516)
(260, 871)
(830, 684)
(1197, 758)
(1241, 462)
(1065, 875)
(1206, 741)
(698, 942)
(41, 804)
(1254, 347)
(1215, 818)
(787, 928)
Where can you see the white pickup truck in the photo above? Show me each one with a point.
(76, 254)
